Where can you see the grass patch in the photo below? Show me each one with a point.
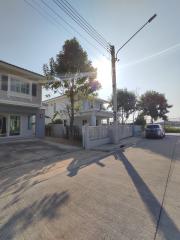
(172, 129)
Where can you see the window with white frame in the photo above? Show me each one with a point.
(19, 86)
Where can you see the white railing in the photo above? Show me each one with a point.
(124, 131)
(97, 135)
(98, 132)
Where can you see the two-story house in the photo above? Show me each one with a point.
(21, 112)
(92, 112)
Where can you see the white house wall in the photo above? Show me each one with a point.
(15, 97)
(25, 132)
(87, 109)
(60, 106)
(19, 103)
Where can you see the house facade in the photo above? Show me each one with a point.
(92, 112)
(21, 112)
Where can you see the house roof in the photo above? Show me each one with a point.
(54, 98)
(20, 69)
(64, 96)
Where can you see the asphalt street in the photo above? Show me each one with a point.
(48, 193)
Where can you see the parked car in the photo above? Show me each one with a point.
(154, 130)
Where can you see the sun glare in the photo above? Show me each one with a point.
(103, 66)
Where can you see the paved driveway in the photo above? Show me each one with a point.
(52, 194)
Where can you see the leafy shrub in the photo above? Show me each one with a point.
(58, 121)
(169, 129)
(140, 120)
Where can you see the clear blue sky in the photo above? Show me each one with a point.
(149, 61)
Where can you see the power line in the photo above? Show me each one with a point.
(62, 19)
(66, 11)
(84, 20)
(54, 21)
(50, 17)
(64, 7)
(41, 13)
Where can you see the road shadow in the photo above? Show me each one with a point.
(77, 164)
(21, 163)
(24, 165)
(47, 207)
(168, 228)
(164, 147)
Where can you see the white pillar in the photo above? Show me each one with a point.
(93, 119)
(40, 123)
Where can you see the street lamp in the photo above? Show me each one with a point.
(114, 59)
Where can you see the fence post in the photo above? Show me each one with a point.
(85, 136)
(115, 133)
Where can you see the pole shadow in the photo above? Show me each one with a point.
(168, 228)
(74, 167)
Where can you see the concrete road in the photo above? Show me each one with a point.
(51, 194)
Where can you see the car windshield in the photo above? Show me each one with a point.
(153, 126)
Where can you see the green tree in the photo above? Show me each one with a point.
(154, 104)
(140, 120)
(126, 104)
(72, 74)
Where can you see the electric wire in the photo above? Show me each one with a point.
(54, 21)
(76, 18)
(50, 17)
(84, 20)
(42, 14)
(62, 19)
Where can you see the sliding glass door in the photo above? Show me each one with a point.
(14, 125)
(3, 126)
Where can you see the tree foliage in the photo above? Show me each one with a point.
(154, 104)
(126, 104)
(65, 75)
(140, 120)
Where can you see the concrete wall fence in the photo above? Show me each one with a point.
(94, 136)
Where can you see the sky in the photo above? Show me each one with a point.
(150, 61)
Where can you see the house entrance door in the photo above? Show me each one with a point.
(3, 126)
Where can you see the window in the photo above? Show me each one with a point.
(25, 88)
(84, 122)
(34, 90)
(2, 126)
(19, 86)
(29, 122)
(14, 125)
(153, 126)
(4, 82)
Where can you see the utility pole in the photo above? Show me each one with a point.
(113, 64)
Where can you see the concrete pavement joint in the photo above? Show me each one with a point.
(165, 190)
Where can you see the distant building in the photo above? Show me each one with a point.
(90, 112)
